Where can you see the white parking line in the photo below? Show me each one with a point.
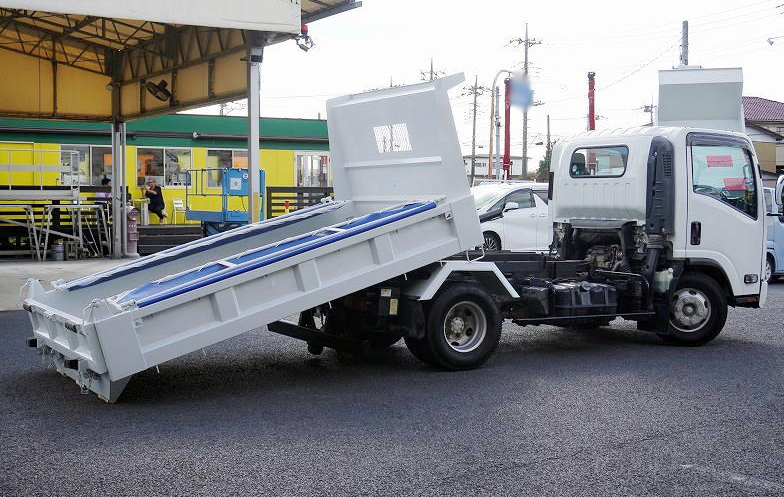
(732, 477)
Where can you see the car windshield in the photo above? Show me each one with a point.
(486, 196)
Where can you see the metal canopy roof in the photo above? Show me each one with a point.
(100, 45)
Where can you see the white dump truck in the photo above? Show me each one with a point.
(663, 226)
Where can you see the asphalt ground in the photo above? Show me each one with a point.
(554, 412)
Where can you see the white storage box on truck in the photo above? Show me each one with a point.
(401, 202)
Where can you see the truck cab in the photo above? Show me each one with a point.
(664, 226)
(696, 193)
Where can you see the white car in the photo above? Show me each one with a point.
(517, 216)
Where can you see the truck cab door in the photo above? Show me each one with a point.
(520, 225)
(726, 209)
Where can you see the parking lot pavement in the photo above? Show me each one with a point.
(17, 272)
(555, 411)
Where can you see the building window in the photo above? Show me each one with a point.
(224, 159)
(149, 165)
(239, 159)
(75, 157)
(312, 169)
(100, 164)
(167, 166)
(176, 163)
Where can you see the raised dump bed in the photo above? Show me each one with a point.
(402, 202)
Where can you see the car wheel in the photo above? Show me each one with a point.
(492, 241)
(769, 264)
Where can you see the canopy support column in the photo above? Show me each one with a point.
(119, 200)
(255, 56)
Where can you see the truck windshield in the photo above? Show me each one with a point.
(725, 173)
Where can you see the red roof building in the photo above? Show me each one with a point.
(765, 127)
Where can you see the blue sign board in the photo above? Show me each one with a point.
(521, 93)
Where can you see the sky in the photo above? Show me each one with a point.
(625, 43)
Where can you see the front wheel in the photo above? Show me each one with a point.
(698, 310)
(463, 329)
(768, 269)
(491, 241)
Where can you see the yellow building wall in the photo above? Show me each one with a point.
(15, 154)
(278, 166)
(766, 155)
(29, 154)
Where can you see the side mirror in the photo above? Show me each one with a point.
(511, 206)
(779, 190)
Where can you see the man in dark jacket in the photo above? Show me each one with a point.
(157, 205)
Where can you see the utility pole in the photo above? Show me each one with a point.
(527, 43)
(591, 103)
(549, 151)
(497, 137)
(650, 109)
(431, 74)
(685, 44)
(507, 138)
(475, 91)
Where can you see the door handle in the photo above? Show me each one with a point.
(696, 232)
(532, 215)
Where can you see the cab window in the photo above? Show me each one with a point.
(606, 162)
(725, 173)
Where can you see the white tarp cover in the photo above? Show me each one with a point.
(281, 16)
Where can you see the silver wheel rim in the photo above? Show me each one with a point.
(465, 326)
(490, 243)
(691, 310)
(768, 270)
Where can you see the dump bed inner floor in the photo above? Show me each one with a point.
(240, 263)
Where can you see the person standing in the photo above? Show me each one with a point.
(157, 204)
(104, 197)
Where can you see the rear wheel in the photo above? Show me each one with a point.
(698, 310)
(491, 241)
(769, 265)
(384, 340)
(315, 319)
(463, 327)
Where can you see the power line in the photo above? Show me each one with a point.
(636, 32)
(641, 67)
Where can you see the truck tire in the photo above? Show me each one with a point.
(419, 349)
(316, 319)
(698, 310)
(384, 340)
(491, 241)
(770, 267)
(463, 327)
